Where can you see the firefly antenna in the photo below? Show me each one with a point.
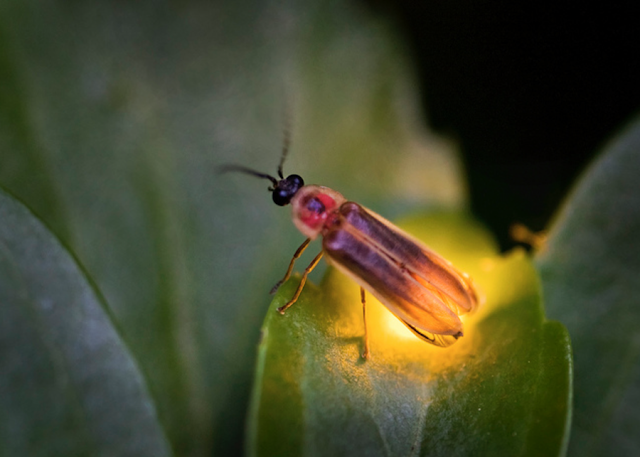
(286, 140)
(249, 171)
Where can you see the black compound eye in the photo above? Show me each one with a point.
(295, 181)
(281, 197)
(286, 189)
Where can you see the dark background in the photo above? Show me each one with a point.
(531, 90)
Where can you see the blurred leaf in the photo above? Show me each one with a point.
(113, 117)
(69, 386)
(503, 389)
(590, 270)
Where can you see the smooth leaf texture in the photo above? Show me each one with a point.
(590, 270)
(503, 389)
(113, 119)
(69, 385)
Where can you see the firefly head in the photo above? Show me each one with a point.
(285, 189)
(282, 190)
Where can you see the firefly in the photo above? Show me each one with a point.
(422, 289)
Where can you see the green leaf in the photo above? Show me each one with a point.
(503, 389)
(69, 386)
(590, 270)
(113, 119)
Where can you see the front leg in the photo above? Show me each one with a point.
(296, 255)
(311, 266)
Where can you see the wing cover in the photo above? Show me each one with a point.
(421, 288)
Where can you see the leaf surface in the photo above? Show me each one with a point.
(69, 385)
(590, 270)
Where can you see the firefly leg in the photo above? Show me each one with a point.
(365, 354)
(297, 254)
(311, 266)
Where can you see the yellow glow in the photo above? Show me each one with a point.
(392, 325)
(392, 343)
(393, 346)
(487, 264)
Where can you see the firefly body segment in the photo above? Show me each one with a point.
(417, 285)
